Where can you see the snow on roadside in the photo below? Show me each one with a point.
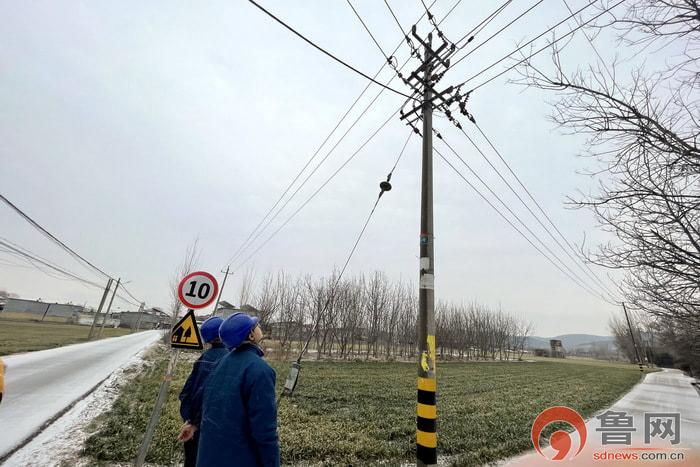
(61, 443)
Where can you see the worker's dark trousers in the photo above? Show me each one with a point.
(191, 451)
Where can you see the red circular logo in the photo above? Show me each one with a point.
(197, 290)
(560, 441)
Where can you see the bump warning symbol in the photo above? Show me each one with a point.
(185, 334)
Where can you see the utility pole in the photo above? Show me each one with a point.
(99, 309)
(426, 409)
(221, 290)
(634, 342)
(138, 321)
(46, 311)
(109, 307)
(425, 99)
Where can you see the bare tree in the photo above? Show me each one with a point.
(187, 265)
(643, 134)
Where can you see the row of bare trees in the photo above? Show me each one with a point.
(370, 317)
(642, 115)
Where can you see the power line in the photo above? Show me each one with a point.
(570, 272)
(595, 49)
(33, 258)
(590, 272)
(257, 231)
(267, 223)
(384, 186)
(328, 53)
(538, 51)
(485, 22)
(313, 195)
(247, 241)
(49, 235)
(509, 222)
(521, 15)
(388, 59)
(535, 216)
(65, 247)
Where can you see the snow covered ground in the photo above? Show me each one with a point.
(41, 388)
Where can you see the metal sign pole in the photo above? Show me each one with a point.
(157, 409)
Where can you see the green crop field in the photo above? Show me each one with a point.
(363, 413)
(24, 336)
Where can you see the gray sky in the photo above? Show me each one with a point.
(129, 128)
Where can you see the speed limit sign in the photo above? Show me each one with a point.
(197, 290)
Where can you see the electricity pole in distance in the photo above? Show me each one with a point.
(99, 309)
(109, 307)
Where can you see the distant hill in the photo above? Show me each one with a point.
(569, 341)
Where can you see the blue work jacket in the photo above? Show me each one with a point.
(201, 370)
(238, 424)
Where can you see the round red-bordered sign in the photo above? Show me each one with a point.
(197, 290)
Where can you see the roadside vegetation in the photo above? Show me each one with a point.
(21, 335)
(362, 413)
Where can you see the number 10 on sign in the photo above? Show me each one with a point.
(198, 290)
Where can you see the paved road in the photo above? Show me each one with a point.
(664, 391)
(40, 385)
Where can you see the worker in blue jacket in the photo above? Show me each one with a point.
(201, 370)
(237, 423)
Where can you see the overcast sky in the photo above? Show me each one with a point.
(130, 128)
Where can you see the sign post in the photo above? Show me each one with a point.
(196, 290)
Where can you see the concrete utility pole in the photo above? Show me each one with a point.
(109, 307)
(99, 309)
(157, 409)
(46, 311)
(634, 342)
(426, 409)
(221, 290)
(138, 321)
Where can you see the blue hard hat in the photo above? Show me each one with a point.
(235, 329)
(210, 328)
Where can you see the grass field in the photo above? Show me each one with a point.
(24, 336)
(363, 413)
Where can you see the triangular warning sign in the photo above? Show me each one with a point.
(185, 334)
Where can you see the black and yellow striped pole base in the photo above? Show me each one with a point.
(426, 422)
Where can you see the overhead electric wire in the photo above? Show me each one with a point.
(595, 49)
(313, 195)
(396, 20)
(248, 240)
(32, 258)
(580, 281)
(505, 218)
(328, 53)
(49, 235)
(257, 231)
(531, 41)
(388, 59)
(521, 15)
(57, 241)
(336, 280)
(480, 27)
(590, 272)
(538, 51)
(527, 207)
(303, 183)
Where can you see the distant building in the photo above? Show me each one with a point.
(556, 348)
(76, 314)
(226, 309)
(39, 308)
(153, 318)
